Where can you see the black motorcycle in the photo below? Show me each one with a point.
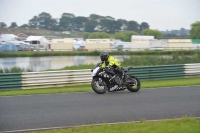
(103, 81)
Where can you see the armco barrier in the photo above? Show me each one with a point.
(29, 80)
(192, 70)
(158, 72)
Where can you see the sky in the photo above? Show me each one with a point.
(159, 14)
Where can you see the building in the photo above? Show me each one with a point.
(65, 44)
(140, 42)
(157, 44)
(98, 44)
(38, 43)
(52, 37)
(179, 44)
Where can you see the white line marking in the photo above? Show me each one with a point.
(65, 127)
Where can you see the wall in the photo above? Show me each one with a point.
(62, 44)
(157, 44)
(141, 37)
(179, 44)
(140, 42)
(140, 45)
(97, 44)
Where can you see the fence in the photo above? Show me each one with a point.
(30, 80)
(118, 49)
(132, 49)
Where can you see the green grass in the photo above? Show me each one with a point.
(146, 60)
(87, 87)
(16, 69)
(86, 66)
(137, 61)
(184, 125)
(33, 31)
(149, 60)
(94, 53)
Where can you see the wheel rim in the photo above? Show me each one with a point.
(135, 84)
(99, 85)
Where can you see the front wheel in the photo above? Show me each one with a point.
(98, 85)
(135, 85)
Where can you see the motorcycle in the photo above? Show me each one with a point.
(102, 81)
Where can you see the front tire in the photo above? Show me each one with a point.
(135, 86)
(98, 85)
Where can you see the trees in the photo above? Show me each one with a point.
(86, 35)
(98, 35)
(79, 23)
(120, 36)
(45, 21)
(3, 25)
(133, 26)
(125, 36)
(33, 23)
(24, 26)
(183, 31)
(123, 23)
(90, 26)
(13, 25)
(144, 25)
(95, 17)
(67, 21)
(157, 34)
(195, 30)
(93, 23)
(95, 35)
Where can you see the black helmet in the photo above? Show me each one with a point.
(104, 56)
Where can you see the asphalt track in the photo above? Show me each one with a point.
(73, 109)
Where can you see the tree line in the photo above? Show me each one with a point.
(124, 35)
(98, 23)
(93, 23)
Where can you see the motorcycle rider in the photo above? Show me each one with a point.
(108, 60)
(109, 63)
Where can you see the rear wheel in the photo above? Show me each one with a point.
(135, 85)
(98, 85)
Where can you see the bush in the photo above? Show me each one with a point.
(159, 60)
(16, 70)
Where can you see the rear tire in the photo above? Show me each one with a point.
(98, 85)
(135, 86)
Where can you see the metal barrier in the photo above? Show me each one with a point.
(30, 80)
(192, 70)
(158, 72)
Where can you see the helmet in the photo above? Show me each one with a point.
(104, 56)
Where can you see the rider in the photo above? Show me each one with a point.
(108, 62)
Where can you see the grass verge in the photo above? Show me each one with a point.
(184, 125)
(94, 53)
(87, 87)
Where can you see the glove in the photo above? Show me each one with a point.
(108, 67)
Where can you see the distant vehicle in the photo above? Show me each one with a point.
(119, 45)
(78, 44)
